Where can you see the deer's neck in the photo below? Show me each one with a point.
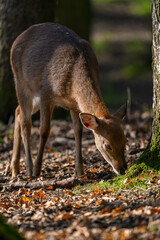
(92, 103)
(87, 92)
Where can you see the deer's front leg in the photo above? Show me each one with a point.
(78, 142)
(45, 119)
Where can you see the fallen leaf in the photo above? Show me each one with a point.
(98, 202)
(155, 210)
(67, 216)
(78, 205)
(55, 199)
(56, 155)
(105, 210)
(85, 178)
(117, 210)
(25, 199)
(48, 150)
(120, 197)
(39, 236)
(61, 235)
(40, 194)
(94, 170)
(109, 191)
(142, 228)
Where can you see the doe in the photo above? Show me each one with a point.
(52, 66)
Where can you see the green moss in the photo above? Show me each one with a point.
(8, 232)
(116, 184)
(154, 228)
(137, 175)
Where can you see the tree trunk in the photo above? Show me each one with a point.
(15, 17)
(155, 142)
(150, 159)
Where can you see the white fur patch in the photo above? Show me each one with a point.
(35, 104)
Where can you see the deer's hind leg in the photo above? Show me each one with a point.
(16, 144)
(26, 123)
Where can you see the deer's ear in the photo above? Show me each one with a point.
(121, 111)
(89, 121)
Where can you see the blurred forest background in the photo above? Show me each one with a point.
(118, 30)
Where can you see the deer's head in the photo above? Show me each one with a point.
(109, 137)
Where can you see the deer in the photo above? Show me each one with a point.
(52, 66)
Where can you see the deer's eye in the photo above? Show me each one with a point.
(108, 147)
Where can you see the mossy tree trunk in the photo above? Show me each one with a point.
(150, 159)
(155, 141)
(15, 17)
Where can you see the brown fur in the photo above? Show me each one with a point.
(52, 67)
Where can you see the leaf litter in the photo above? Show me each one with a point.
(87, 211)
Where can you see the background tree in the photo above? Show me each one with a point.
(151, 156)
(15, 17)
(150, 159)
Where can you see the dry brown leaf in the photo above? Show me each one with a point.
(39, 236)
(87, 202)
(48, 150)
(94, 170)
(67, 216)
(155, 210)
(25, 199)
(120, 197)
(105, 210)
(98, 202)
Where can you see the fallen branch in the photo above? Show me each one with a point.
(65, 183)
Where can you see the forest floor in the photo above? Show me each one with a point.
(63, 210)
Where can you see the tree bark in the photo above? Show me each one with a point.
(150, 159)
(155, 141)
(15, 17)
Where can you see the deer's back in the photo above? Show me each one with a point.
(36, 46)
(50, 57)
